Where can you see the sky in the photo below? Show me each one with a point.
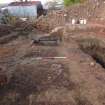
(8, 1)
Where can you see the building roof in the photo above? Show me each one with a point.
(28, 3)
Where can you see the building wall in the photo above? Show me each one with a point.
(23, 11)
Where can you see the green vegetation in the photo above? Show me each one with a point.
(70, 2)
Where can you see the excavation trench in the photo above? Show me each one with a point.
(95, 48)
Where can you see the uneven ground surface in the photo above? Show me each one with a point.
(90, 10)
(76, 79)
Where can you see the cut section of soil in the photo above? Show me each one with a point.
(95, 49)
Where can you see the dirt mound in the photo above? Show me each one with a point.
(47, 23)
(88, 10)
(26, 26)
(5, 30)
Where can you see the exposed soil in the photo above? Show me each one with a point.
(70, 73)
(5, 30)
(76, 80)
(94, 48)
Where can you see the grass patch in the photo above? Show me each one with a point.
(71, 2)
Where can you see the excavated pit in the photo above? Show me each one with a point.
(95, 48)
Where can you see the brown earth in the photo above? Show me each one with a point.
(76, 79)
(90, 10)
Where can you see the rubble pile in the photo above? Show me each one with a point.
(47, 23)
(23, 26)
(88, 10)
(10, 32)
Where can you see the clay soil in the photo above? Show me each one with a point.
(36, 75)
